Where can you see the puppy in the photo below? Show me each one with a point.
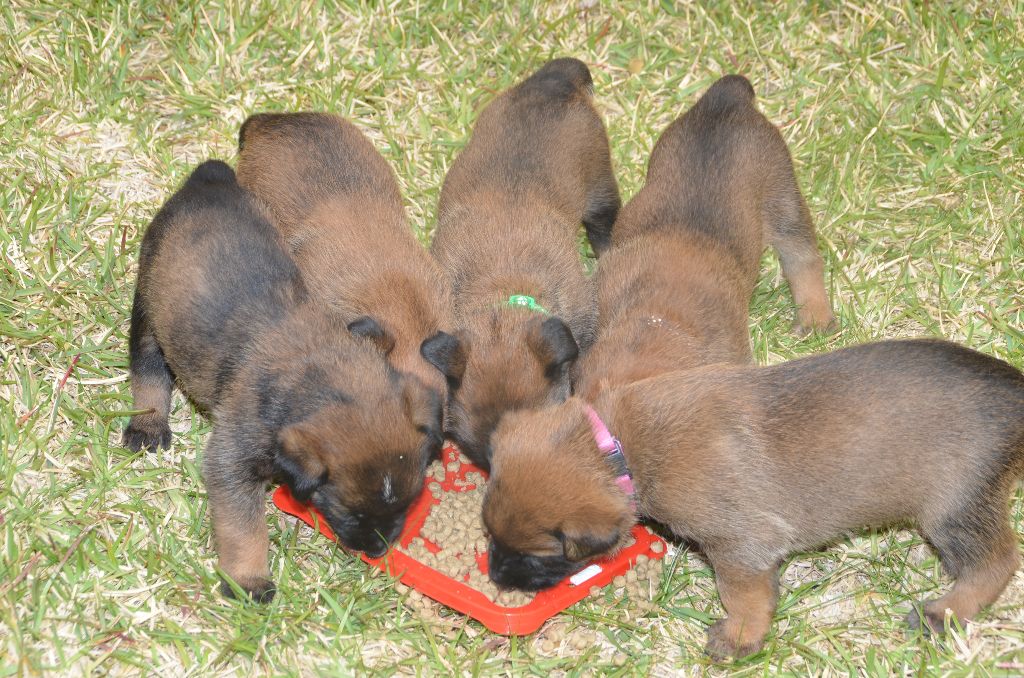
(675, 287)
(220, 307)
(537, 165)
(336, 201)
(756, 463)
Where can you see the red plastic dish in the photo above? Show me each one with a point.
(460, 596)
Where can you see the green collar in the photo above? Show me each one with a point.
(526, 301)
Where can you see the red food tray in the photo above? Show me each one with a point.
(459, 595)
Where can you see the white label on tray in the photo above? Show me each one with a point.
(583, 575)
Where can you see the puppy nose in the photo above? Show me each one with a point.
(494, 562)
(376, 550)
(396, 529)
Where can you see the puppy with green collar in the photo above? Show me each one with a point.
(537, 165)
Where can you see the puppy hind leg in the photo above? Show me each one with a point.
(980, 551)
(750, 597)
(240, 534)
(600, 212)
(151, 383)
(791, 232)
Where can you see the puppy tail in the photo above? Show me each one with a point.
(214, 172)
(563, 78)
(732, 90)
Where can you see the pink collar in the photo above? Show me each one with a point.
(612, 447)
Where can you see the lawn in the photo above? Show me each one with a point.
(906, 129)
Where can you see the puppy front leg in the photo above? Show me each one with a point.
(749, 597)
(236, 497)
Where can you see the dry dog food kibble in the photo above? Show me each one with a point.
(452, 542)
(454, 526)
(643, 581)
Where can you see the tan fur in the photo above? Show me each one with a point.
(337, 203)
(675, 287)
(242, 543)
(537, 165)
(753, 594)
(668, 302)
(220, 308)
(752, 464)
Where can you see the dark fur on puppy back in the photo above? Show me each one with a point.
(254, 122)
(536, 167)
(562, 78)
(221, 310)
(336, 201)
(730, 90)
(675, 286)
(213, 171)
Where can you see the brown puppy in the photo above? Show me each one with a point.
(755, 463)
(337, 203)
(294, 398)
(537, 165)
(675, 287)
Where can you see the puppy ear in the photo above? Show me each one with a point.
(596, 529)
(423, 408)
(586, 544)
(298, 462)
(447, 354)
(552, 342)
(369, 328)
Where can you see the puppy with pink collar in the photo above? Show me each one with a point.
(753, 464)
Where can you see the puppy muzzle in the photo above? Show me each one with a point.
(514, 570)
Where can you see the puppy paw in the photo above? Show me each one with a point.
(147, 433)
(807, 322)
(259, 589)
(724, 642)
(928, 622)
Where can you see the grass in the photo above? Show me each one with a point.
(905, 125)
